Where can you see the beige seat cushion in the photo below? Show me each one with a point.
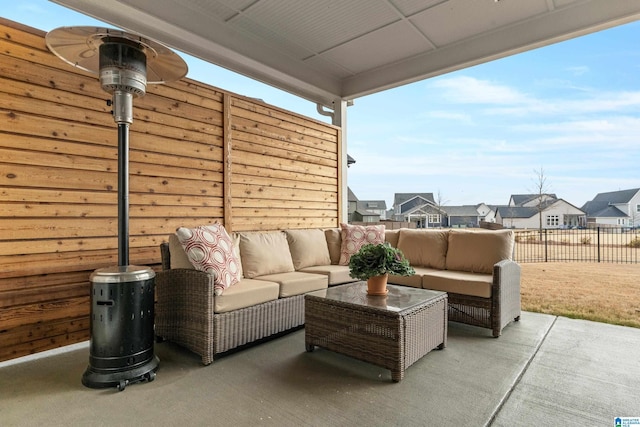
(264, 253)
(459, 282)
(334, 242)
(414, 280)
(246, 293)
(479, 250)
(424, 248)
(308, 248)
(338, 274)
(297, 283)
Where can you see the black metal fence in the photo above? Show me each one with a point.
(600, 244)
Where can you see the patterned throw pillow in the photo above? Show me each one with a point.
(210, 249)
(356, 236)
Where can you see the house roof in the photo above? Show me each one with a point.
(516, 212)
(365, 212)
(622, 196)
(371, 204)
(351, 196)
(400, 198)
(465, 210)
(333, 50)
(602, 209)
(521, 199)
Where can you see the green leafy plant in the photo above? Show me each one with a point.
(378, 259)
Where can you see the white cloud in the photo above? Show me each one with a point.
(578, 70)
(470, 90)
(450, 115)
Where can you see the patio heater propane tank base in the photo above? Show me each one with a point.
(122, 327)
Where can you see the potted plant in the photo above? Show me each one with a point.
(374, 263)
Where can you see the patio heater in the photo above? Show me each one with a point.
(122, 296)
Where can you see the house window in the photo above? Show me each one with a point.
(637, 208)
(434, 219)
(553, 220)
(621, 221)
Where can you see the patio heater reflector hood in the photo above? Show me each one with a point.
(122, 297)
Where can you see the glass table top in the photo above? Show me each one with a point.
(398, 298)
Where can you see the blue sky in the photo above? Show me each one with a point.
(479, 134)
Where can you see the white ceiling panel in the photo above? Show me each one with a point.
(379, 48)
(321, 25)
(457, 20)
(410, 7)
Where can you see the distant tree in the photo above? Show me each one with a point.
(440, 202)
(541, 190)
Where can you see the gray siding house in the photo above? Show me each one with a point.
(615, 208)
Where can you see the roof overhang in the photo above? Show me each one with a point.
(332, 50)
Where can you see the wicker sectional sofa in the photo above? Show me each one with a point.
(279, 267)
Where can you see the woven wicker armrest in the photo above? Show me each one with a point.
(506, 292)
(184, 287)
(184, 308)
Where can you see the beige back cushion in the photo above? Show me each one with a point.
(477, 251)
(178, 257)
(264, 253)
(308, 248)
(334, 242)
(236, 248)
(424, 248)
(391, 237)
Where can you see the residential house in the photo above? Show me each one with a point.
(524, 210)
(370, 211)
(620, 208)
(419, 208)
(468, 215)
(365, 210)
(352, 202)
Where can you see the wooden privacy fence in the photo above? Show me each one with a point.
(197, 155)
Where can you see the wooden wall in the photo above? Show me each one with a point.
(197, 155)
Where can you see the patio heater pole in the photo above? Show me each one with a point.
(123, 194)
(122, 297)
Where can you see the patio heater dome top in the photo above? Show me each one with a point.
(80, 47)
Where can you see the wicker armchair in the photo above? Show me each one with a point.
(495, 312)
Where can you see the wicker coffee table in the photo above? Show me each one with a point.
(392, 331)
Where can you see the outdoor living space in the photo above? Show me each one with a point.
(202, 155)
(543, 370)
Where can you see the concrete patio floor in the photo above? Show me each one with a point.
(542, 371)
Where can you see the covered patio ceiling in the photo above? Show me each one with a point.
(336, 50)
